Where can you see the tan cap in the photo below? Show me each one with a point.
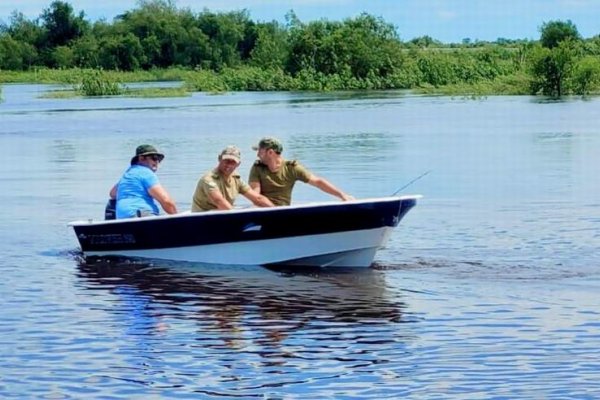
(231, 153)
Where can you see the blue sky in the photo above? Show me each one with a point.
(445, 20)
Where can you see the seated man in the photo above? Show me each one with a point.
(139, 187)
(218, 188)
(274, 177)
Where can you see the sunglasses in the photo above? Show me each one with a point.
(155, 157)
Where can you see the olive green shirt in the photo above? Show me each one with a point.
(212, 180)
(277, 186)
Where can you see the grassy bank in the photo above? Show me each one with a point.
(76, 75)
(247, 79)
(127, 92)
(89, 82)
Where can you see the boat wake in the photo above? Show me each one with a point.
(490, 270)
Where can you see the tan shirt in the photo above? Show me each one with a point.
(277, 186)
(212, 180)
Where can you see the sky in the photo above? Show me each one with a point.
(449, 21)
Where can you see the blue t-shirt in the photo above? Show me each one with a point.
(132, 192)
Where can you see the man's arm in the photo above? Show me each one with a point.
(254, 180)
(258, 199)
(160, 194)
(113, 192)
(216, 197)
(328, 187)
(255, 186)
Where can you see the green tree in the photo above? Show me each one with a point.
(270, 50)
(226, 36)
(436, 68)
(586, 75)
(155, 25)
(62, 57)
(554, 32)
(304, 43)
(195, 49)
(23, 30)
(168, 36)
(592, 46)
(551, 68)
(16, 55)
(9, 54)
(552, 63)
(85, 52)
(121, 52)
(361, 47)
(61, 25)
(368, 46)
(425, 41)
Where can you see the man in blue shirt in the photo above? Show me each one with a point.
(139, 186)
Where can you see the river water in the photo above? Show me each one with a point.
(487, 289)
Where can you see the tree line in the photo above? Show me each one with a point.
(230, 51)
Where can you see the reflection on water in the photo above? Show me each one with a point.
(257, 328)
(344, 295)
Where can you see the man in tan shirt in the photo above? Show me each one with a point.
(274, 177)
(218, 188)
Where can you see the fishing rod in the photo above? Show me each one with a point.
(411, 182)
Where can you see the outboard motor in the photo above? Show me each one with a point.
(110, 211)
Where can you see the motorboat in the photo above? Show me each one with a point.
(321, 234)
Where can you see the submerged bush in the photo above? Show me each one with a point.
(255, 79)
(98, 83)
(206, 81)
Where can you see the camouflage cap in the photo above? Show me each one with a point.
(269, 143)
(231, 153)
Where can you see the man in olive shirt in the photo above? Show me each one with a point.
(274, 177)
(217, 189)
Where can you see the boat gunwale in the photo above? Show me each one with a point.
(244, 210)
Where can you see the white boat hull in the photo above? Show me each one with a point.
(345, 249)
